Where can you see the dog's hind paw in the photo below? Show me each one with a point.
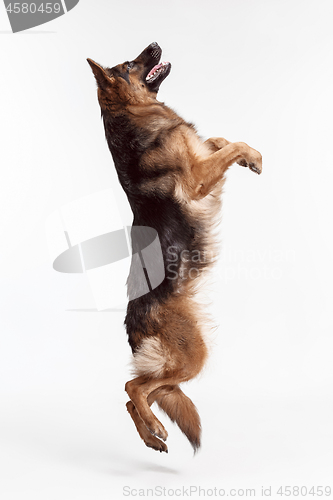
(156, 444)
(157, 429)
(160, 433)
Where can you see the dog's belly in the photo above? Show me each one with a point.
(187, 241)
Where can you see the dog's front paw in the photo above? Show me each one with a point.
(242, 163)
(254, 163)
(254, 168)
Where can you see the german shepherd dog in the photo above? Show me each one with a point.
(173, 181)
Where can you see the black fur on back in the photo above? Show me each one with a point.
(159, 211)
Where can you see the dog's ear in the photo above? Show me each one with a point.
(103, 80)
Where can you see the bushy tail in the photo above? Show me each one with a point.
(181, 410)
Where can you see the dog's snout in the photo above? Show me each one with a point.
(151, 54)
(154, 50)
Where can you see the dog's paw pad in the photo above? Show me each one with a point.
(242, 163)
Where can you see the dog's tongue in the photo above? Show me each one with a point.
(155, 68)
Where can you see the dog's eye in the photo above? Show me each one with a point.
(130, 65)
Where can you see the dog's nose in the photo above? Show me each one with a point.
(154, 50)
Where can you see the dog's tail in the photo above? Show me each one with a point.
(181, 410)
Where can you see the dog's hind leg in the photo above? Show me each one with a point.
(161, 363)
(150, 440)
(138, 390)
(179, 409)
(171, 399)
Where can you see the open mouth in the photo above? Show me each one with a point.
(161, 69)
(154, 71)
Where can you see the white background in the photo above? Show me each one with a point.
(254, 71)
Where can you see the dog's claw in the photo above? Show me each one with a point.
(157, 446)
(254, 168)
(160, 432)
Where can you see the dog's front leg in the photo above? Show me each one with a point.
(206, 173)
(216, 143)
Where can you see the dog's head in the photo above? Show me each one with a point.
(133, 82)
